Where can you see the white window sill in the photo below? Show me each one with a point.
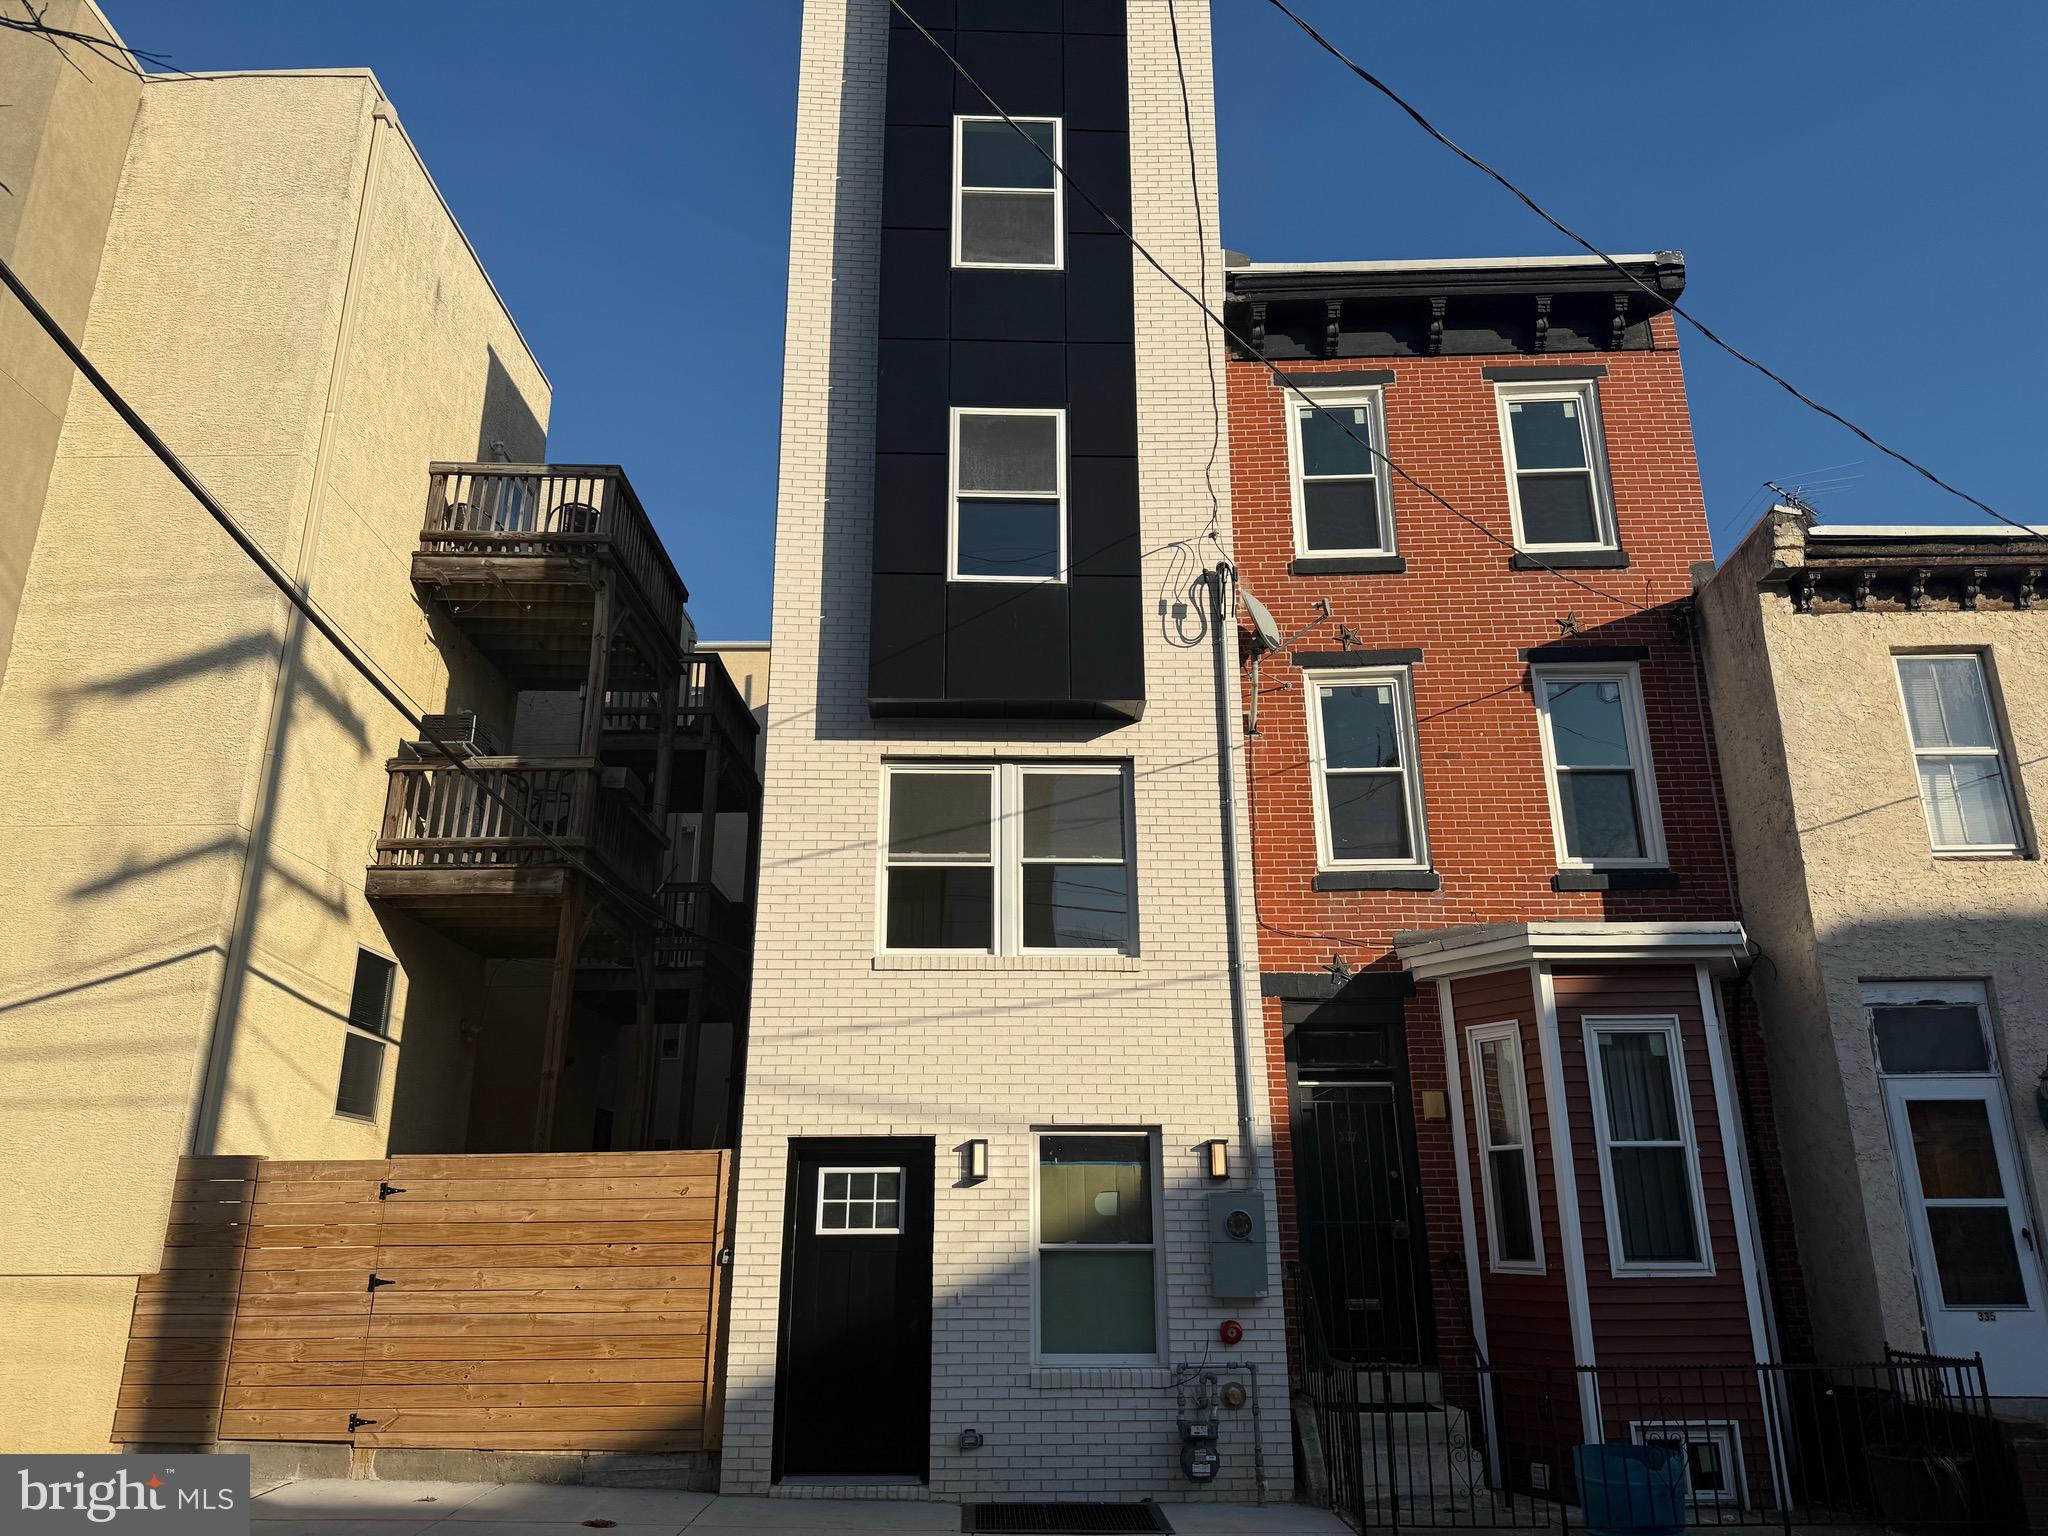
(1099, 1378)
(974, 961)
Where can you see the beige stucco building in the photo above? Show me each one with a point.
(1881, 702)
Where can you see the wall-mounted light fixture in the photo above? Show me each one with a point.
(975, 1161)
(1219, 1159)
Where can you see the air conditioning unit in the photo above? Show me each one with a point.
(462, 733)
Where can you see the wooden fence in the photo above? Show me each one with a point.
(565, 1301)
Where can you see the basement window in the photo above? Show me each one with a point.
(1557, 467)
(1009, 520)
(1009, 209)
(369, 1030)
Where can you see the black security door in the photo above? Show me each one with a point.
(1356, 1193)
(853, 1389)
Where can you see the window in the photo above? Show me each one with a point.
(1557, 466)
(1008, 206)
(860, 1201)
(1956, 749)
(1341, 501)
(1008, 858)
(1098, 1283)
(1712, 1450)
(369, 1029)
(1603, 794)
(1649, 1162)
(1507, 1167)
(1009, 495)
(1368, 793)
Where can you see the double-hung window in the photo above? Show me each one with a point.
(1008, 858)
(1009, 209)
(1009, 519)
(1958, 754)
(1508, 1166)
(1098, 1259)
(1557, 467)
(1368, 792)
(1596, 748)
(1341, 504)
(1649, 1159)
(369, 1031)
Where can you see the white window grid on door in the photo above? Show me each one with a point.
(1372, 400)
(1593, 440)
(1667, 1026)
(861, 1200)
(1155, 1194)
(1006, 851)
(1635, 723)
(1057, 192)
(1992, 758)
(1722, 1434)
(1409, 772)
(956, 493)
(1509, 1034)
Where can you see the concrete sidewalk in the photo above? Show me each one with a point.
(318, 1507)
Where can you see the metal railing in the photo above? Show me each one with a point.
(553, 509)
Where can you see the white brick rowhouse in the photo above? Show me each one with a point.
(850, 1039)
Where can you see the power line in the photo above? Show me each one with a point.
(1251, 354)
(1668, 303)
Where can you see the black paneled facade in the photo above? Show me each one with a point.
(964, 337)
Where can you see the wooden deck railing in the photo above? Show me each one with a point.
(708, 925)
(512, 812)
(709, 702)
(553, 509)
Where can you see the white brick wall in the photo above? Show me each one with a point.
(990, 1047)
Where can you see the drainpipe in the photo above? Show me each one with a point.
(1218, 581)
(205, 1122)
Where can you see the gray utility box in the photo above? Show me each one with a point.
(1237, 1243)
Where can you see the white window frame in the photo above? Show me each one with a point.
(1592, 1026)
(1348, 397)
(1594, 433)
(1996, 753)
(1946, 993)
(1006, 851)
(1636, 722)
(1058, 194)
(1316, 680)
(818, 1227)
(1481, 1035)
(954, 493)
(1157, 1195)
(1724, 1434)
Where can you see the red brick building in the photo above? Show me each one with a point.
(1523, 1110)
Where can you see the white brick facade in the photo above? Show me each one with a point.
(844, 1042)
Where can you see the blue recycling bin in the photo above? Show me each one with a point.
(1631, 1490)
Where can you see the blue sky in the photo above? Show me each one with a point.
(1858, 190)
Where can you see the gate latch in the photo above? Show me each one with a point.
(356, 1422)
(386, 1191)
(377, 1280)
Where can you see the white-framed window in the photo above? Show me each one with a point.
(1649, 1153)
(1096, 1281)
(1007, 858)
(368, 1034)
(860, 1202)
(1009, 501)
(1930, 1028)
(1712, 1450)
(1596, 757)
(1507, 1155)
(1343, 504)
(1958, 753)
(1363, 773)
(1557, 466)
(1009, 207)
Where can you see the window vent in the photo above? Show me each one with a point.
(1029, 1519)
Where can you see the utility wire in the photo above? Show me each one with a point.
(1668, 303)
(1201, 303)
(278, 578)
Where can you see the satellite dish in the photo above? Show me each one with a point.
(1262, 620)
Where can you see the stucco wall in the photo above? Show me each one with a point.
(1839, 887)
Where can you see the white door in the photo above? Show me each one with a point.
(1974, 1248)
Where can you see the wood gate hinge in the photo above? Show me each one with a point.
(377, 1280)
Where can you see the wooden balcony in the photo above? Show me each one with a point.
(710, 710)
(487, 855)
(706, 940)
(515, 553)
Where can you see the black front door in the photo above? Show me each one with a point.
(1364, 1253)
(853, 1379)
